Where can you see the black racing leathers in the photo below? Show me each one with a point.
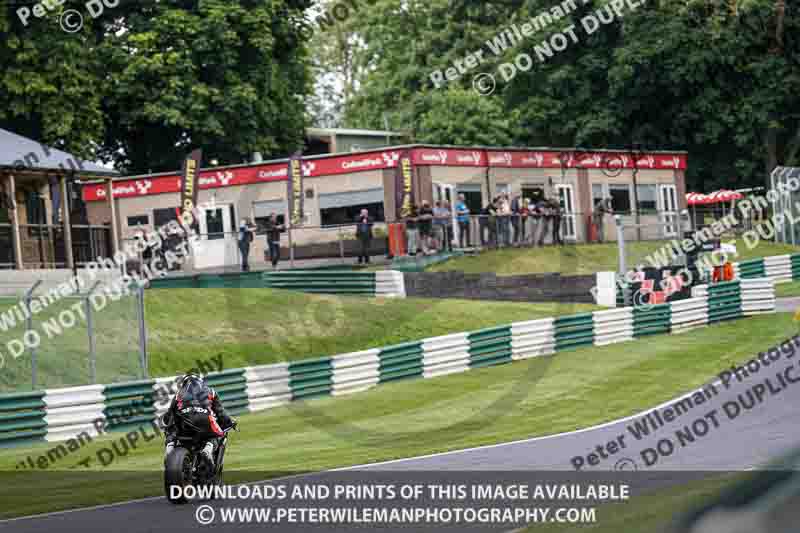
(206, 418)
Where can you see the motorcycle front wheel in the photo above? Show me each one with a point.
(178, 472)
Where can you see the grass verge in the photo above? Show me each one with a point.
(530, 398)
(245, 326)
(580, 259)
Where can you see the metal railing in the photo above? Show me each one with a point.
(44, 245)
(51, 338)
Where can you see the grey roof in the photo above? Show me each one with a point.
(19, 152)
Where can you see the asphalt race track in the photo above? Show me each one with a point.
(716, 435)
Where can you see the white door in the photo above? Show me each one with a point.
(217, 243)
(668, 200)
(566, 197)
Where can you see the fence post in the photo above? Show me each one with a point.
(90, 330)
(291, 248)
(29, 327)
(142, 330)
(620, 244)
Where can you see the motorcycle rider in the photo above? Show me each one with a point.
(200, 405)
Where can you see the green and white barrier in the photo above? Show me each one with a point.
(61, 414)
(129, 404)
(268, 386)
(651, 320)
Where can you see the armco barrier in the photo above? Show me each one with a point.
(753, 268)
(401, 361)
(724, 301)
(574, 331)
(445, 355)
(387, 283)
(778, 268)
(22, 418)
(322, 281)
(355, 372)
(490, 347)
(231, 386)
(130, 404)
(533, 338)
(688, 314)
(309, 379)
(794, 261)
(613, 326)
(73, 411)
(758, 296)
(64, 413)
(651, 320)
(268, 386)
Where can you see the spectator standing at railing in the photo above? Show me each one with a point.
(601, 209)
(557, 213)
(516, 211)
(543, 208)
(491, 220)
(462, 211)
(504, 216)
(439, 224)
(448, 228)
(274, 239)
(524, 215)
(246, 235)
(412, 232)
(364, 235)
(425, 218)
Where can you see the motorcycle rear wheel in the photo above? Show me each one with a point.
(178, 472)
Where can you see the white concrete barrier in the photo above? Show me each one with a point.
(444, 355)
(390, 284)
(268, 386)
(688, 314)
(355, 372)
(613, 326)
(533, 338)
(73, 411)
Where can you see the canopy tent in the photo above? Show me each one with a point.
(696, 198)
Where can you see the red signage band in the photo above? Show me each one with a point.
(388, 159)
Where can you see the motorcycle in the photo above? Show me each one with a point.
(186, 465)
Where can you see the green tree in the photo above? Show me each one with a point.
(229, 76)
(50, 89)
(464, 117)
